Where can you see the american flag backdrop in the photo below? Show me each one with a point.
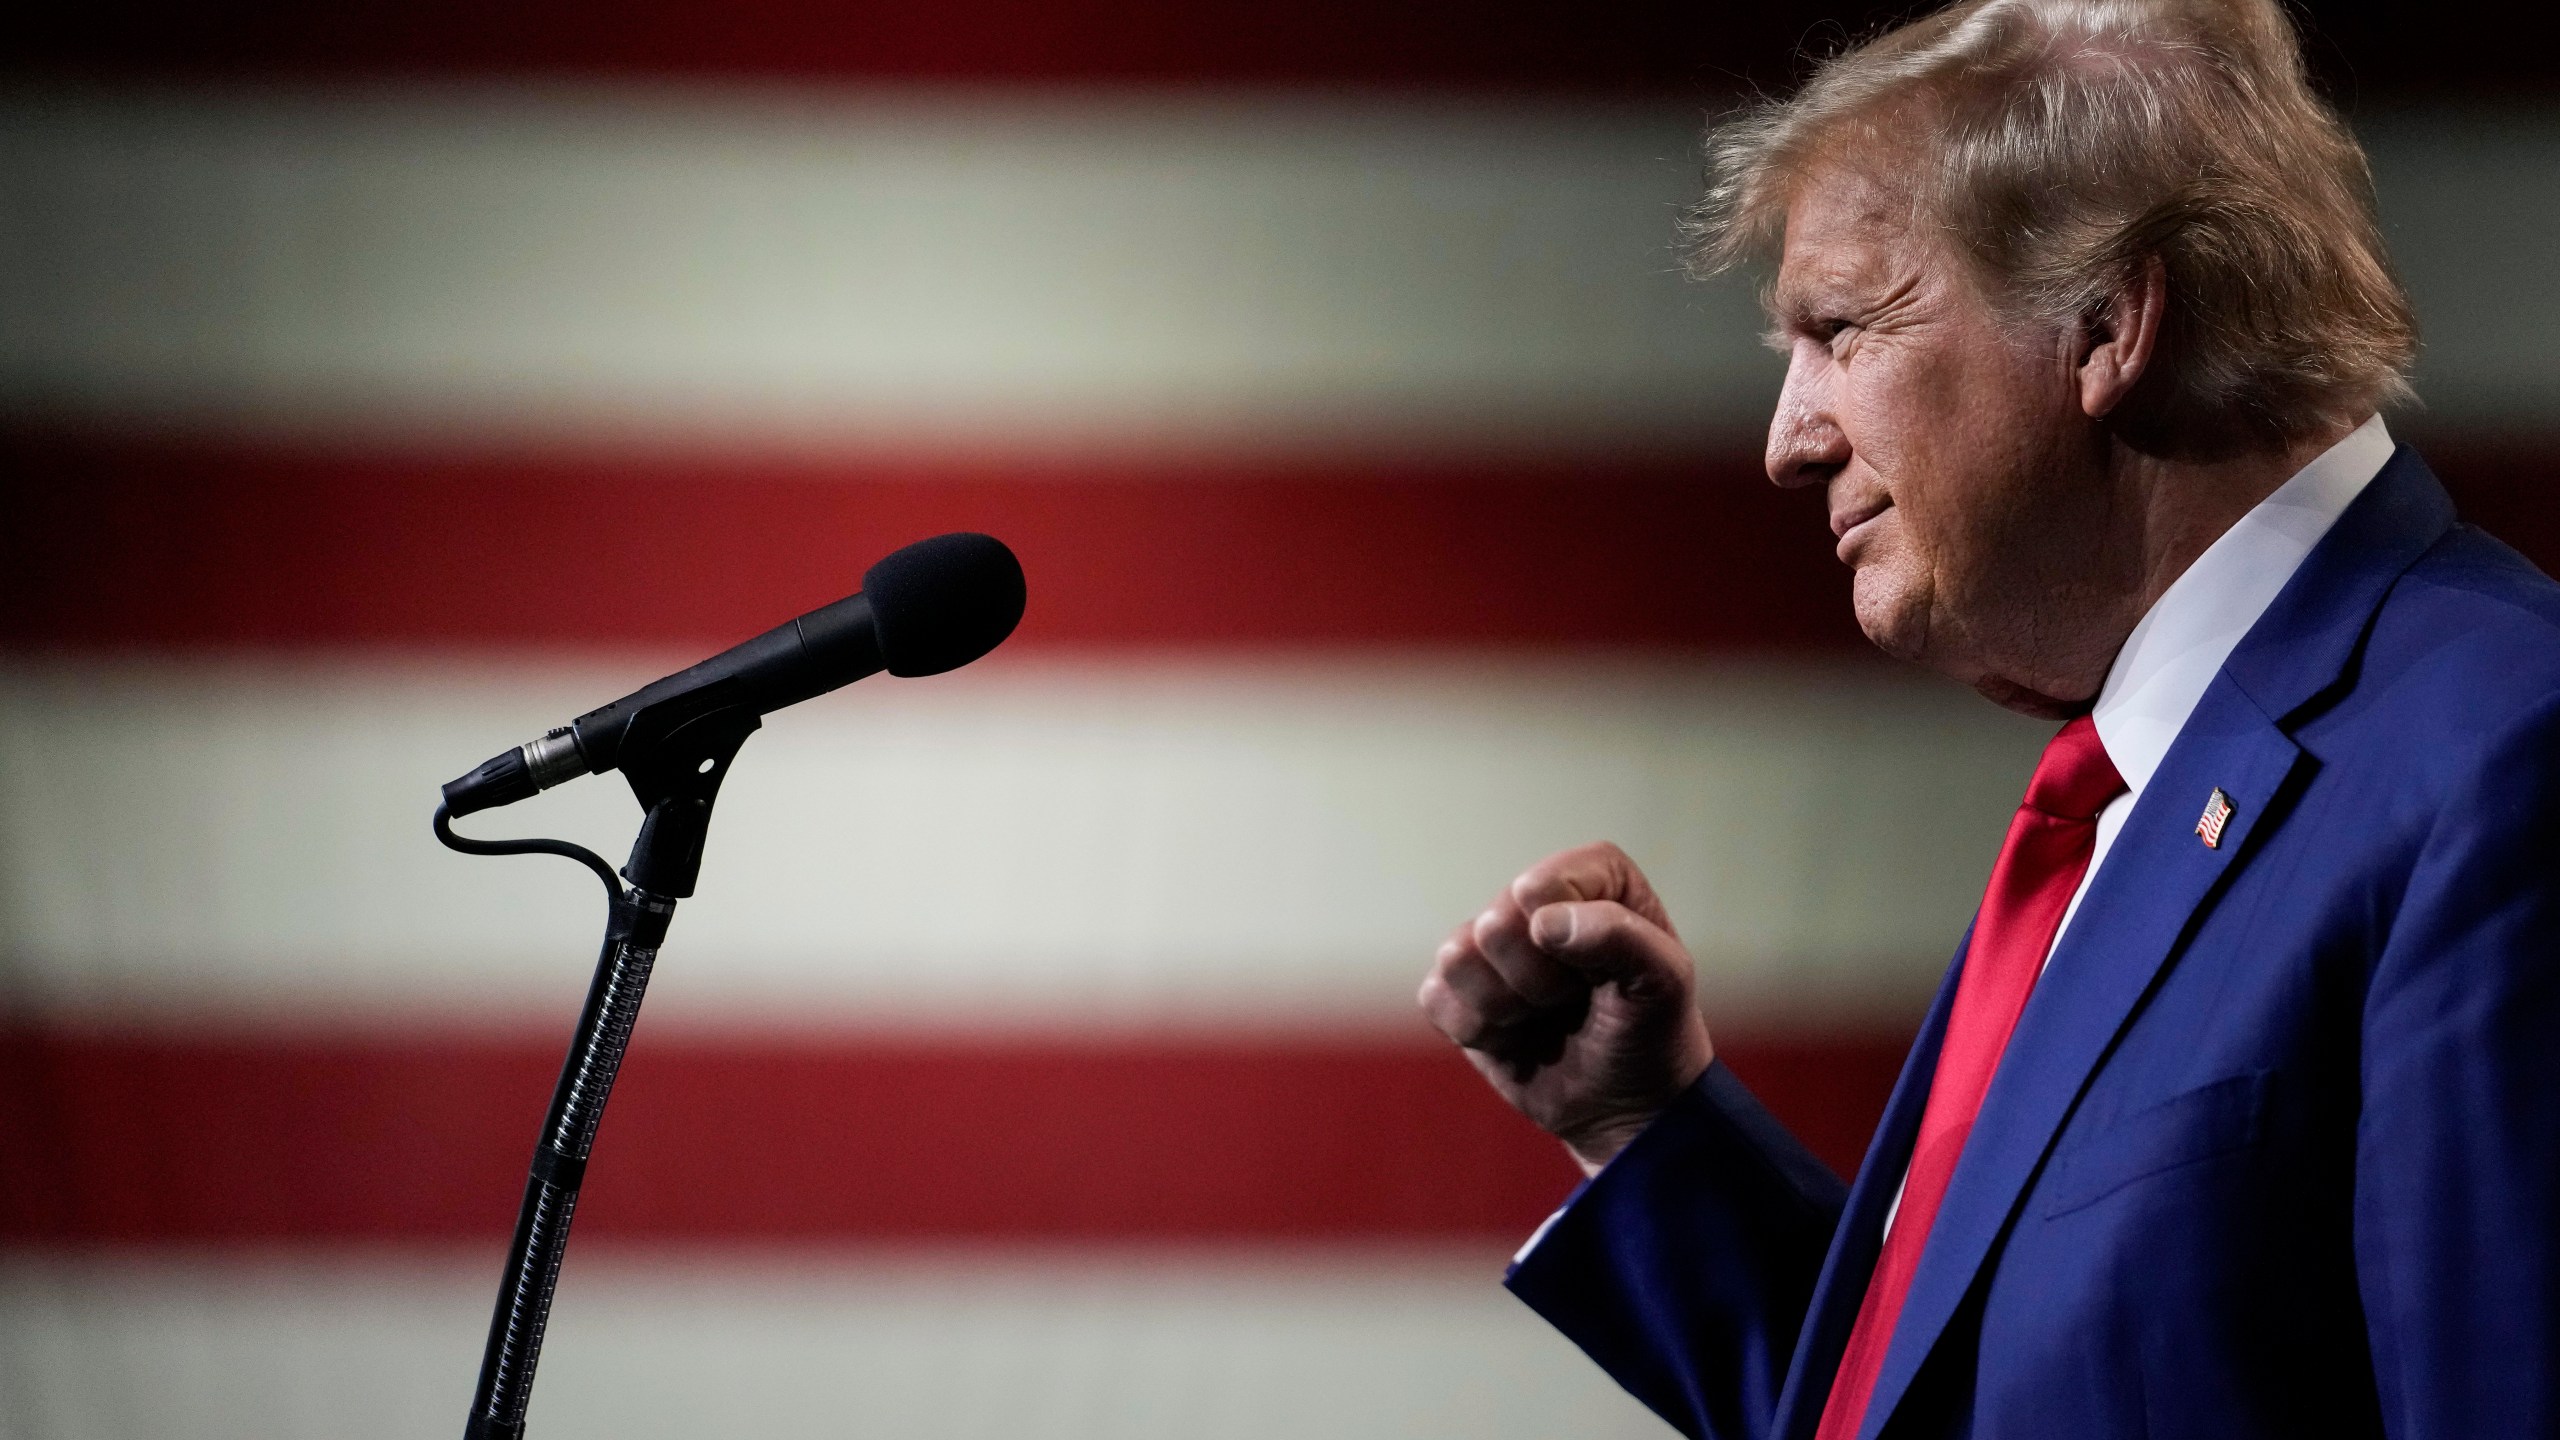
(1038, 1057)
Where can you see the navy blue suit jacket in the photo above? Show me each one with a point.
(2275, 1148)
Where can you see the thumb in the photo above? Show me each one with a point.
(1607, 941)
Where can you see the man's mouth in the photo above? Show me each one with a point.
(1846, 524)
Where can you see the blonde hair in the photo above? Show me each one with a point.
(2062, 145)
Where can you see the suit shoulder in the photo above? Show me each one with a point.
(2465, 649)
(2471, 576)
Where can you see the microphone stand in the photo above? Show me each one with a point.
(675, 756)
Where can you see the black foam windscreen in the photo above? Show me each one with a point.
(940, 603)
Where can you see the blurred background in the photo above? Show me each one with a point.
(380, 386)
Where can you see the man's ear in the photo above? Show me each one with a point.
(2118, 338)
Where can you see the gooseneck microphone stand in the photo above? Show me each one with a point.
(932, 606)
(675, 763)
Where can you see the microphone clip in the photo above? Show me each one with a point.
(675, 763)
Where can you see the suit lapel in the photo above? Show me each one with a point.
(2153, 884)
(2157, 880)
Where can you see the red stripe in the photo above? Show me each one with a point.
(2367, 52)
(178, 1139)
(176, 545)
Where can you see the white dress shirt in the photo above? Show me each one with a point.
(2179, 647)
(2183, 640)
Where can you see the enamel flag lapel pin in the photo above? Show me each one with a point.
(2217, 813)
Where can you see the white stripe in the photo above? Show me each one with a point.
(1020, 841)
(1144, 1346)
(463, 264)
(941, 266)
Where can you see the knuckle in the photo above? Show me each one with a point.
(1448, 1013)
(1502, 941)
(1459, 944)
(1585, 872)
(1470, 977)
(1544, 875)
(1542, 884)
(1616, 867)
(1466, 1027)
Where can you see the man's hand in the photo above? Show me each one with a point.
(1574, 997)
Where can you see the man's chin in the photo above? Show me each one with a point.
(1894, 622)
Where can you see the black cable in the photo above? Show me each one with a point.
(579, 853)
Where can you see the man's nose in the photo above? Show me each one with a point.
(1806, 444)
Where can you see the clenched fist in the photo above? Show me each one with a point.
(1574, 997)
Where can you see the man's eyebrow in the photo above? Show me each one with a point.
(1777, 331)
(1797, 312)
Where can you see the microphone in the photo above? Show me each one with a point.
(934, 606)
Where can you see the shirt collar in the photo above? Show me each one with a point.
(2179, 647)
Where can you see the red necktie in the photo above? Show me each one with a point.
(2047, 852)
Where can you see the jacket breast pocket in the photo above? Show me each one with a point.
(2185, 1129)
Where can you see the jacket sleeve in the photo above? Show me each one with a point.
(1685, 1267)
(2457, 1209)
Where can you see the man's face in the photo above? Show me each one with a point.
(1965, 487)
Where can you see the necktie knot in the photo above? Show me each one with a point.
(2075, 779)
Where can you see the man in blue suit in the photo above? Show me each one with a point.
(2239, 1111)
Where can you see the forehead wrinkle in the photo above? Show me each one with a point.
(1860, 259)
(1833, 283)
